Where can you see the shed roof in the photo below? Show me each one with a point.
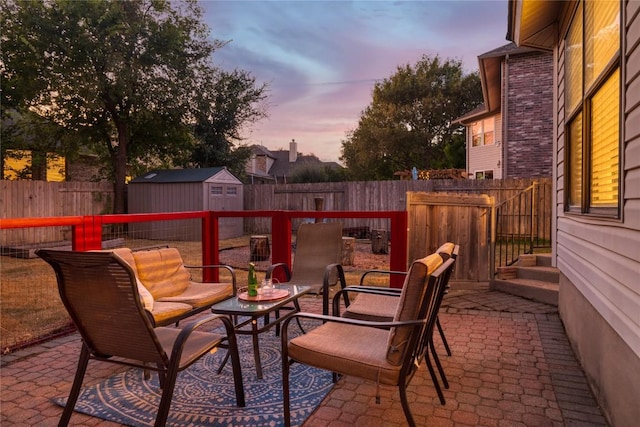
(186, 175)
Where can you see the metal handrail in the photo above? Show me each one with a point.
(522, 225)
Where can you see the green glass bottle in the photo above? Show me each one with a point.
(252, 288)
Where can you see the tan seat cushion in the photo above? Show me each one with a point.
(202, 294)
(376, 308)
(412, 294)
(126, 255)
(163, 312)
(162, 272)
(346, 349)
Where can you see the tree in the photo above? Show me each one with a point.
(408, 123)
(317, 172)
(217, 131)
(131, 77)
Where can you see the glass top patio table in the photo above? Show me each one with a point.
(240, 307)
(253, 310)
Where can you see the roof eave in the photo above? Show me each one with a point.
(534, 23)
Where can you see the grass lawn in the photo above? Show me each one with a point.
(30, 307)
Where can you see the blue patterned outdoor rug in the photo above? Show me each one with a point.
(203, 397)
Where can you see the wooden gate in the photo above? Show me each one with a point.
(464, 219)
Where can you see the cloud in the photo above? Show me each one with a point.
(321, 59)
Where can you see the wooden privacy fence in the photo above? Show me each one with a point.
(464, 219)
(28, 199)
(374, 196)
(31, 199)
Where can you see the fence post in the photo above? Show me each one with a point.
(492, 240)
(399, 242)
(210, 246)
(534, 194)
(281, 242)
(88, 235)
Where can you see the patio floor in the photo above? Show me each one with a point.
(511, 366)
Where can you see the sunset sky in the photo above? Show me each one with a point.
(321, 59)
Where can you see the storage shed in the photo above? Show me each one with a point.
(182, 190)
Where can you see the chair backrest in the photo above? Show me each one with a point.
(317, 245)
(411, 304)
(99, 291)
(162, 271)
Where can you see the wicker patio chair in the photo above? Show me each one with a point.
(317, 259)
(379, 304)
(367, 350)
(100, 293)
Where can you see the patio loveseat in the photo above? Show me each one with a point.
(166, 288)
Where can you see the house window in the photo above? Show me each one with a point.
(592, 98)
(216, 191)
(484, 174)
(232, 191)
(482, 132)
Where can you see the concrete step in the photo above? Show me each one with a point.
(543, 260)
(536, 290)
(544, 274)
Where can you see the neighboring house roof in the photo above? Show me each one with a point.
(491, 80)
(186, 175)
(490, 73)
(476, 114)
(261, 150)
(282, 167)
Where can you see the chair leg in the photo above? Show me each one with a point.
(438, 364)
(285, 390)
(224, 362)
(434, 379)
(237, 369)
(167, 394)
(444, 339)
(83, 361)
(405, 404)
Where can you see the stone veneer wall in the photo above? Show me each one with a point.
(529, 116)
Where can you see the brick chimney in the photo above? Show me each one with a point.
(293, 151)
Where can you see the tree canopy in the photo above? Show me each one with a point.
(409, 121)
(135, 79)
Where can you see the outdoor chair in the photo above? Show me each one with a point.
(379, 304)
(169, 293)
(366, 349)
(317, 259)
(99, 291)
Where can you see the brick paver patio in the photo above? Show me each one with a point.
(511, 366)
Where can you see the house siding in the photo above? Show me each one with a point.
(528, 114)
(486, 157)
(599, 260)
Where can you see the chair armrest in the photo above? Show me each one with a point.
(282, 265)
(389, 272)
(365, 323)
(190, 327)
(220, 266)
(325, 285)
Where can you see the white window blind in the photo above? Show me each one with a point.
(602, 35)
(575, 161)
(573, 63)
(604, 143)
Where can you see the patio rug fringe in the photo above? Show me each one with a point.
(203, 397)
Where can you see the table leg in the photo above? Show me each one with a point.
(296, 304)
(256, 348)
